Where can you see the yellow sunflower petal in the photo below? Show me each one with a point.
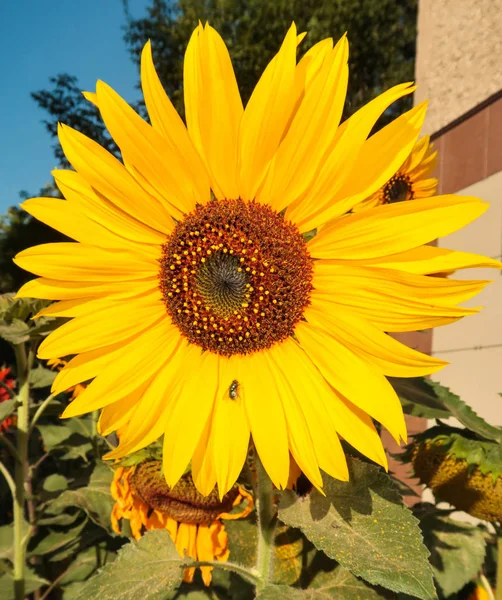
(203, 465)
(165, 119)
(110, 178)
(213, 108)
(117, 322)
(69, 220)
(119, 413)
(148, 420)
(393, 228)
(205, 550)
(312, 130)
(340, 161)
(136, 362)
(350, 375)
(300, 440)
(266, 115)
(81, 262)
(54, 289)
(147, 151)
(425, 260)
(388, 312)
(262, 396)
(340, 280)
(188, 414)
(229, 431)
(96, 207)
(375, 346)
(313, 393)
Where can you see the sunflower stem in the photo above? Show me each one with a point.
(498, 592)
(23, 363)
(266, 524)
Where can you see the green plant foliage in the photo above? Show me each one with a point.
(365, 527)
(457, 550)
(148, 569)
(94, 498)
(32, 582)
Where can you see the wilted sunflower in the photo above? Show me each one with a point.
(194, 522)
(198, 306)
(411, 181)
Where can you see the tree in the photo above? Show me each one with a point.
(381, 35)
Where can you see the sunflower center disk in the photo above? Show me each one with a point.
(398, 189)
(236, 277)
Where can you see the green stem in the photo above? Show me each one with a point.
(498, 593)
(95, 439)
(23, 412)
(8, 479)
(266, 525)
(39, 412)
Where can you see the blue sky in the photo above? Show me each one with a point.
(40, 38)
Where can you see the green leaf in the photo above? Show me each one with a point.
(419, 398)
(457, 551)
(40, 377)
(288, 549)
(56, 540)
(7, 408)
(95, 498)
(82, 567)
(72, 435)
(283, 592)
(55, 483)
(15, 332)
(340, 585)
(465, 414)
(32, 583)
(149, 569)
(364, 525)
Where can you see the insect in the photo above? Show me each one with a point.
(233, 390)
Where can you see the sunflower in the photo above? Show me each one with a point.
(202, 304)
(194, 522)
(411, 181)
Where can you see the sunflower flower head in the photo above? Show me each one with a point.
(220, 290)
(194, 522)
(411, 181)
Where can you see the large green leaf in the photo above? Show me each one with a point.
(55, 541)
(340, 585)
(364, 525)
(72, 436)
(149, 569)
(95, 498)
(15, 332)
(40, 377)
(457, 551)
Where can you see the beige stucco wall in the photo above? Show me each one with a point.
(459, 56)
(473, 345)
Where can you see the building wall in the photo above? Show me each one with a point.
(459, 50)
(473, 345)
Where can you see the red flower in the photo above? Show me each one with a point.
(4, 395)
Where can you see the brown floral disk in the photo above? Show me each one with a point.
(236, 277)
(182, 502)
(397, 189)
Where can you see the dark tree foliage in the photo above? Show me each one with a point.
(65, 103)
(381, 35)
(19, 230)
(382, 49)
